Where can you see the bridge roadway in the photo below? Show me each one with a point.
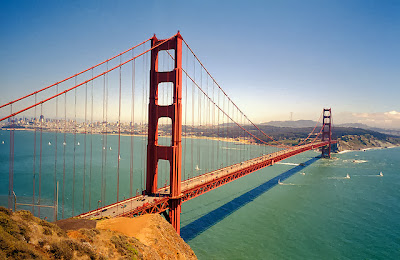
(191, 188)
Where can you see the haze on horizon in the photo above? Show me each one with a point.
(271, 57)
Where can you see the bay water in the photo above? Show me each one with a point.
(340, 208)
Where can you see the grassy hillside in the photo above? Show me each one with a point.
(23, 236)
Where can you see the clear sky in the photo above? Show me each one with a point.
(271, 57)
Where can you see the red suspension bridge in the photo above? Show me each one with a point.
(141, 132)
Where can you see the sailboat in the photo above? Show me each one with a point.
(347, 176)
(380, 174)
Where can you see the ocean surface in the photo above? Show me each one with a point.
(327, 209)
(316, 213)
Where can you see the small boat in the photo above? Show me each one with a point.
(104, 148)
(303, 173)
(110, 148)
(197, 168)
(380, 174)
(49, 143)
(64, 143)
(79, 143)
(347, 176)
(119, 157)
(2, 142)
(279, 181)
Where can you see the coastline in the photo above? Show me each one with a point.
(230, 140)
(367, 149)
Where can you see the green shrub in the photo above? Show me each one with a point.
(60, 250)
(47, 231)
(64, 249)
(53, 228)
(9, 225)
(5, 211)
(25, 215)
(124, 247)
(13, 248)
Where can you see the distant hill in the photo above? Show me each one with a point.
(376, 129)
(294, 124)
(355, 125)
(311, 123)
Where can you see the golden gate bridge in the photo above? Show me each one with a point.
(160, 92)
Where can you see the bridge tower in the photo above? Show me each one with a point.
(327, 132)
(156, 152)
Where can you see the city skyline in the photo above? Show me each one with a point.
(286, 56)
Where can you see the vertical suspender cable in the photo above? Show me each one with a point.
(142, 180)
(34, 161)
(132, 127)
(186, 111)
(40, 157)
(84, 152)
(55, 160)
(64, 147)
(200, 128)
(207, 111)
(147, 98)
(103, 141)
(193, 96)
(74, 161)
(91, 148)
(106, 141)
(119, 128)
(218, 128)
(11, 163)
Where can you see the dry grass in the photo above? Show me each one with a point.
(23, 236)
(125, 246)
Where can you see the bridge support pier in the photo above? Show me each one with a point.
(175, 213)
(156, 152)
(326, 132)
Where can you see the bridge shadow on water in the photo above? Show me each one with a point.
(195, 228)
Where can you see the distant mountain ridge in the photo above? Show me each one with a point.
(311, 123)
(294, 124)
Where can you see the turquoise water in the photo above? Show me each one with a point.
(318, 215)
(315, 213)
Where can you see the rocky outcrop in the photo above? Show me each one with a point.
(360, 142)
(23, 236)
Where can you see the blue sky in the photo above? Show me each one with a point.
(271, 57)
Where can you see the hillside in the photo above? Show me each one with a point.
(350, 138)
(23, 236)
(297, 123)
(310, 123)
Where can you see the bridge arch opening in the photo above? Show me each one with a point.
(163, 174)
(165, 93)
(165, 61)
(165, 131)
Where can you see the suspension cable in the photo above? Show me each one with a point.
(101, 63)
(84, 82)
